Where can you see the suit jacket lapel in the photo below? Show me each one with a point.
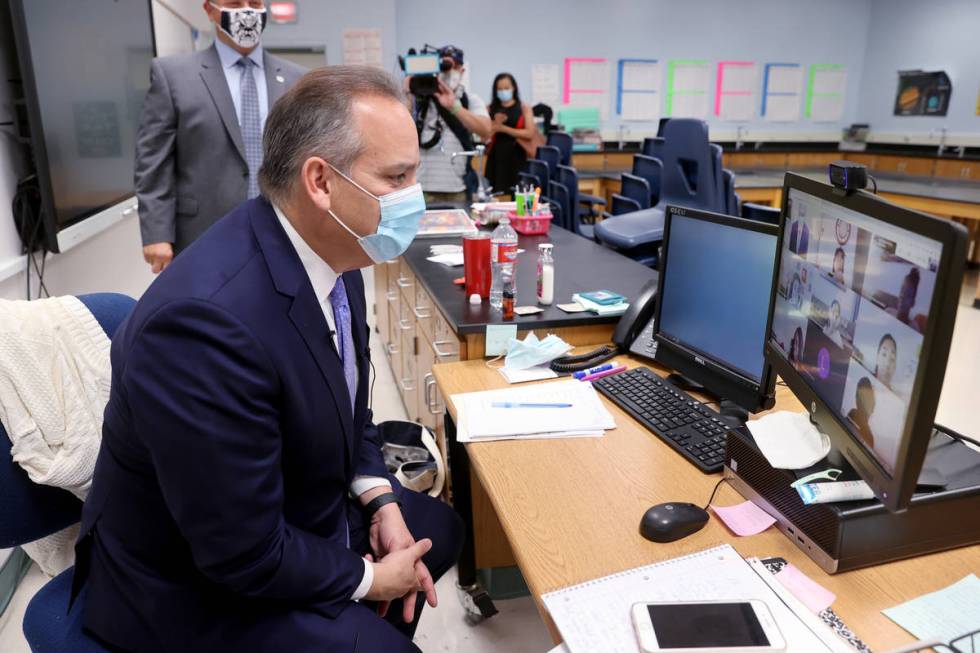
(305, 313)
(275, 81)
(214, 79)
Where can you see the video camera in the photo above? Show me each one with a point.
(425, 66)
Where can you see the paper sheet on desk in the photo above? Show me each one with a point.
(594, 617)
(477, 419)
(449, 260)
(788, 440)
(944, 614)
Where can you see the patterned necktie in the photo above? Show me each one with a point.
(251, 125)
(341, 316)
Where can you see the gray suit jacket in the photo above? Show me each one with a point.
(190, 157)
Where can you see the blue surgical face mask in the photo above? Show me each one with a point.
(522, 354)
(505, 95)
(401, 211)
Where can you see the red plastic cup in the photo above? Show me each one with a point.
(476, 264)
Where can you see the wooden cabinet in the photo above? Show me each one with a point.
(869, 160)
(804, 160)
(958, 169)
(757, 160)
(414, 337)
(903, 165)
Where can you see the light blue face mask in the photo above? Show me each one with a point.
(401, 211)
(522, 354)
(505, 95)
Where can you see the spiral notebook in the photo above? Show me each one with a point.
(594, 617)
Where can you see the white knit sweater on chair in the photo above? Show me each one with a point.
(54, 384)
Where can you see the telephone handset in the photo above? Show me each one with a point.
(637, 317)
(630, 326)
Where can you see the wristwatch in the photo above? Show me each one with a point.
(377, 502)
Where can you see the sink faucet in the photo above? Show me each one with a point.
(942, 139)
(738, 137)
(483, 192)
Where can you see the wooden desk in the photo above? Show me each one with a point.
(571, 511)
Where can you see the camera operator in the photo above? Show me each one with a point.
(447, 122)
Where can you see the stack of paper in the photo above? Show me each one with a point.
(478, 420)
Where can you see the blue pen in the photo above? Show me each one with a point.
(594, 370)
(510, 404)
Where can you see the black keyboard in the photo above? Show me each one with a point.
(687, 425)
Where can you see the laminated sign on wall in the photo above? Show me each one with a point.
(922, 93)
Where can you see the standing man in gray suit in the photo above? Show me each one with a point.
(199, 145)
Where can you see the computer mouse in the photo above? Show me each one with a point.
(666, 522)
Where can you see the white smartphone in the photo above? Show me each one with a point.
(706, 627)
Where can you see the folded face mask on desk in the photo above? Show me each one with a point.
(522, 354)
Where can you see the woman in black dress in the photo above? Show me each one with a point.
(513, 123)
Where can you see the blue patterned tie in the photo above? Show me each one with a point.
(251, 125)
(341, 316)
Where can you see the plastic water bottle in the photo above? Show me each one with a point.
(503, 256)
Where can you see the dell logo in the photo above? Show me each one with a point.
(699, 361)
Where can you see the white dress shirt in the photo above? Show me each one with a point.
(323, 279)
(233, 74)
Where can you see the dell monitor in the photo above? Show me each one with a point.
(864, 298)
(713, 303)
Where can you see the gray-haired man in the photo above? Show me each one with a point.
(241, 501)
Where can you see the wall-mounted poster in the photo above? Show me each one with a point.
(922, 93)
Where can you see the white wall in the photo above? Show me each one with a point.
(322, 23)
(511, 35)
(935, 35)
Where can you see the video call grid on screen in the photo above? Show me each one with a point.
(852, 304)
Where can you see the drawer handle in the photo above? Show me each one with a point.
(441, 354)
(420, 314)
(404, 283)
(404, 327)
(434, 407)
(429, 382)
(406, 385)
(391, 296)
(391, 349)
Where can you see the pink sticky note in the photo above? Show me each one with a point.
(814, 596)
(745, 518)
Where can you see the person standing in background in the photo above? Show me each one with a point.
(513, 134)
(447, 123)
(199, 143)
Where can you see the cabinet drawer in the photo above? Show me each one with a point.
(408, 379)
(445, 344)
(406, 282)
(423, 311)
(958, 169)
(803, 160)
(904, 165)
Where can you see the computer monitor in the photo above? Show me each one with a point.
(713, 303)
(863, 304)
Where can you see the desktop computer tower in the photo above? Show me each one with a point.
(848, 535)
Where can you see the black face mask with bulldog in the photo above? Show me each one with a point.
(243, 26)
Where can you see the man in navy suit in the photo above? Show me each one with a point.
(240, 500)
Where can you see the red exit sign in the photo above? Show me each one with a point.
(282, 12)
